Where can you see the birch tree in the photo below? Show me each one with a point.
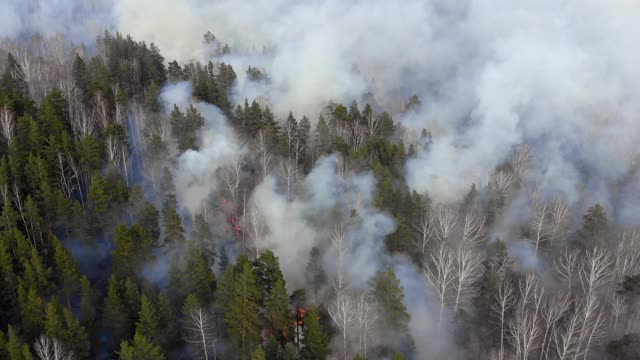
(504, 300)
(365, 317)
(7, 124)
(440, 272)
(468, 263)
(343, 315)
(46, 348)
(202, 335)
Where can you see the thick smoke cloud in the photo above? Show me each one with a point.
(296, 225)
(79, 20)
(561, 77)
(195, 175)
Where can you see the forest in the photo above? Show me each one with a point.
(155, 205)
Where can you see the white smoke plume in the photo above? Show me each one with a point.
(195, 174)
(296, 225)
(560, 77)
(82, 20)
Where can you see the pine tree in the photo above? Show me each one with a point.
(67, 271)
(200, 280)
(100, 195)
(316, 342)
(259, 354)
(8, 281)
(16, 349)
(87, 303)
(277, 308)
(267, 269)
(36, 275)
(75, 337)
(594, 227)
(389, 294)
(149, 218)
(140, 349)
(115, 312)
(60, 324)
(224, 259)
(53, 323)
(174, 232)
(168, 333)
(81, 76)
(241, 314)
(203, 238)
(148, 322)
(31, 306)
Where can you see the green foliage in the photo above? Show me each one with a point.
(267, 269)
(140, 349)
(172, 222)
(31, 310)
(279, 318)
(259, 354)
(595, 227)
(60, 324)
(115, 313)
(193, 276)
(203, 239)
(240, 295)
(101, 195)
(132, 248)
(16, 349)
(389, 294)
(316, 341)
(148, 324)
(67, 272)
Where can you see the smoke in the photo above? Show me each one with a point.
(195, 175)
(298, 224)
(79, 20)
(560, 77)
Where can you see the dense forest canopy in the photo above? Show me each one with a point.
(319, 180)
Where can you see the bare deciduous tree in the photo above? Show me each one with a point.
(257, 226)
(595, 270)
(264, 153)
(552, 311)
(440, 272)
(343, 315)
(46, 348)
(521, 161)
(65, 176)
(560, 219)
(503, 182)
(7, 124)
(289, 174)
(539, 228)
(445, 219)
(337, 239)
(473, 231)
(231, 174)
(201, 334)
(567, 267)
(468, 262)
(425, 228)
(504, 299)
(617, 305)
(365, 317)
